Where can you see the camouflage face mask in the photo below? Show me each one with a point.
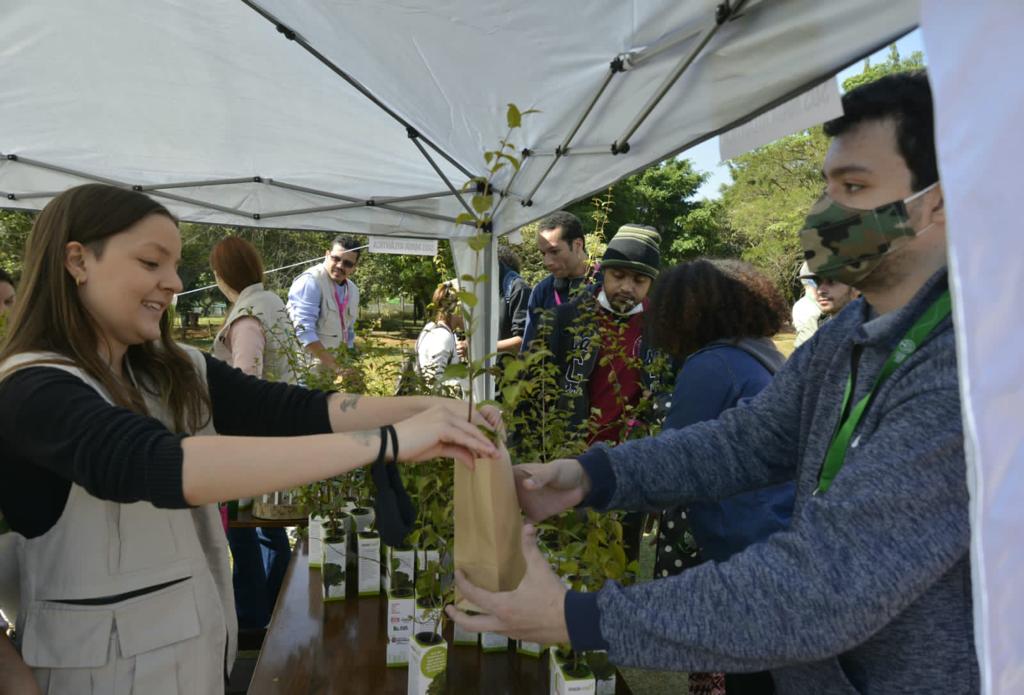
(845, 244)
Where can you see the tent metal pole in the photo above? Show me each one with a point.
(723, 13)
(414, 136)
(204, 204)
(64, 170)
(587, 149)
(407, 198)
(614, 68)
(29, 196)
(314, 191)
(301, 211)
(196, 184)
(415, 213)
(292, 35)
(118, 184)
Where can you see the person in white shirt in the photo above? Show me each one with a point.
(806, 311)
(436, 346)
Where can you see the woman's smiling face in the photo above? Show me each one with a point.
(128, 284)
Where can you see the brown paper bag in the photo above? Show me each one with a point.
(488, 526)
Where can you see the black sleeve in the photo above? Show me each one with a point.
(57, 429)
(247, 406)
(518, 300)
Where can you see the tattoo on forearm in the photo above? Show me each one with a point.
(349, 401)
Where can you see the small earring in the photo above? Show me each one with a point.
(79, 282)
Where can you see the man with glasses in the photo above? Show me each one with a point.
(323, 302)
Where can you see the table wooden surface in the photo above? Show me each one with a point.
(317, 649)
(245, 519)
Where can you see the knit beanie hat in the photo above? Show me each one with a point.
(634, 247)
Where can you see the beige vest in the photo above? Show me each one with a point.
(269, 310)
(177, 640)
(329, 325)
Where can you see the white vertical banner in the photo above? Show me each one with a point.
(974, 57)
(816, 105)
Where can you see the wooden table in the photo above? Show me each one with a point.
(315, 649)
(245, 519)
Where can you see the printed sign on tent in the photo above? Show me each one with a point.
(814, 106)
(412, 247)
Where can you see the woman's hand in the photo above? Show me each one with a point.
(487, 416)
(444, 432)
(547, 489)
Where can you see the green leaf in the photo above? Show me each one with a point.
(468, 298)
(513, 160)
(528, 111)
(467, 278)
(510, 394)
(488, 156)
(483, 203)
(514, 118)
(482, 278)
(479, 242)
(497, 166)
(465, 218)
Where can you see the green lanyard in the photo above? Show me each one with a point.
(917, 334)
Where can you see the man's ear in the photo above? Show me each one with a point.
(579, 245)
(74, 261)
(937, 205)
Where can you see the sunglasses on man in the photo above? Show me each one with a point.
(346, 263)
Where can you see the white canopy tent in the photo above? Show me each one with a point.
(369, 117)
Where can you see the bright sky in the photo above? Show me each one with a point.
(705, 155)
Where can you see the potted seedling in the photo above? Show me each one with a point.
(334, 559)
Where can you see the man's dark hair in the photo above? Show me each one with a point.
(906, 99)
(6, 277)
(702, 301)
(570, 224)
(348, 243)
(509, 257)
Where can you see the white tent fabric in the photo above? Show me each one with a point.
(979, 108)
(169, 92)
(274, 113)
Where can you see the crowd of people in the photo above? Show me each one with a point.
(825, 493)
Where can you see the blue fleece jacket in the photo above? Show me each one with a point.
(869, 590)
(712, 380)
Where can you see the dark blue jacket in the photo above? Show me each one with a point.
(712, 380)
(542, 298)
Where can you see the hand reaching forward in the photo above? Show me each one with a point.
(546, 489)
(441, 432)
(534, 612)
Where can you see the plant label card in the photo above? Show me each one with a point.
(530, 649)
(463, 637)
(368, 549)
(400, 615)
(493, 642)
(397, 653)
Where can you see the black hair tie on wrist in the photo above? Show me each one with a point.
(395, 512)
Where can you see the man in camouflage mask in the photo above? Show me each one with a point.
(845, 244)
(869, 588)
